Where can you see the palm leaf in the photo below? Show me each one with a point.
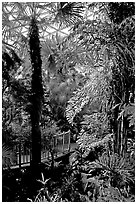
(68, 13)
(117, 166)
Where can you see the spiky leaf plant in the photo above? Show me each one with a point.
(119, 170)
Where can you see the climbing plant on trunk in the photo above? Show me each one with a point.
(37, 91)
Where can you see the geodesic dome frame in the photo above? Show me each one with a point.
(53, 18)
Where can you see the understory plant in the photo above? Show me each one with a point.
(109, 178)
(43, 194)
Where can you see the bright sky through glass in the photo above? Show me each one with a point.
(16, 19)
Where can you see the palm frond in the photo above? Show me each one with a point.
(120, 168)
(68, 13)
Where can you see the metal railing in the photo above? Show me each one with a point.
(60, 145)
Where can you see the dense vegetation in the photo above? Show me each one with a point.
(85, 83)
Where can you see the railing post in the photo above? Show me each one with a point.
(63, 143)
(23, 155)
(69, 141)
(19, 154)
(30, 153)
(27, 154)
(16, 150)
(48, 155)
(55, 138)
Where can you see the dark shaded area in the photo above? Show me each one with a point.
(118, 11)
(19, 185)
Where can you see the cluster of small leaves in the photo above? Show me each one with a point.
(95, 39)
(12, 77)
(111, 194)
(81, 97)
(48, 134)
(90, 143)
(85, 42)
(131, 147)
(16, 124)
(94, 133)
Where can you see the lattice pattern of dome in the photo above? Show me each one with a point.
(51, 19)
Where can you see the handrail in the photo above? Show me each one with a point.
(63, 135)
(61, 143)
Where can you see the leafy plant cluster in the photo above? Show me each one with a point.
(15, 123)
(88, 86)
(109, 178)
(112, 75)
(115, 181)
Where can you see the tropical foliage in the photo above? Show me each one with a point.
(82, 81)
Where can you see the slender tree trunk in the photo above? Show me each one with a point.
(37, 92)
(120, 96)
(117, 96)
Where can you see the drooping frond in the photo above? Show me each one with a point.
(68, 12)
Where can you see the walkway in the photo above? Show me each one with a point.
(61, 145)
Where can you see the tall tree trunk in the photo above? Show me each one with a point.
(37, 92)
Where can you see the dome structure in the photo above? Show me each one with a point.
(53, 19)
